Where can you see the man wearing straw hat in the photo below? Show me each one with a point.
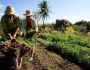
(10, 22)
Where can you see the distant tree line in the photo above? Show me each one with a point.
(84, 25)
(62, 24)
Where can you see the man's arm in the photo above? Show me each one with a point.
(36, 28)
(4, 27)
(17, 23)
(35, 24)
(6, 32)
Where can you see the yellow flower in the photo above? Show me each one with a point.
(69, 30)
(47, 29)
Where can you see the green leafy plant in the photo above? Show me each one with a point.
(30, 34)
(17, 52)
(4, 38)
(40, 29)
(43, 36)
(30, 38)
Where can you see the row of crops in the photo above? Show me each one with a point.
(67, 38)
(74, 52)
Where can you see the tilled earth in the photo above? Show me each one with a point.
(43, 60)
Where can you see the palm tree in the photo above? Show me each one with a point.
(44, 10)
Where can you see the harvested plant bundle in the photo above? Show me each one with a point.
(14, 47)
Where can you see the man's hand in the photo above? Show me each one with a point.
(6, 32)
(20, 34)
(16, 31)
(10, 37)
(37, 32)
(14, 35)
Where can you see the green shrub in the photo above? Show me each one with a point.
(4, 38)
(40, 29)
(71, 38)
(47, 29)
(85, 61)
(43, 36)
(57, 37)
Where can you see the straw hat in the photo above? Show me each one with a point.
(10, 10)
(28, 13)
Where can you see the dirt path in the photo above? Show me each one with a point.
(43, 60)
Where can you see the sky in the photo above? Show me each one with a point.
(72, 10)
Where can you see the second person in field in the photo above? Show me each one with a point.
(29, 23)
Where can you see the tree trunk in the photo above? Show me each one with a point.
(43, 25)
